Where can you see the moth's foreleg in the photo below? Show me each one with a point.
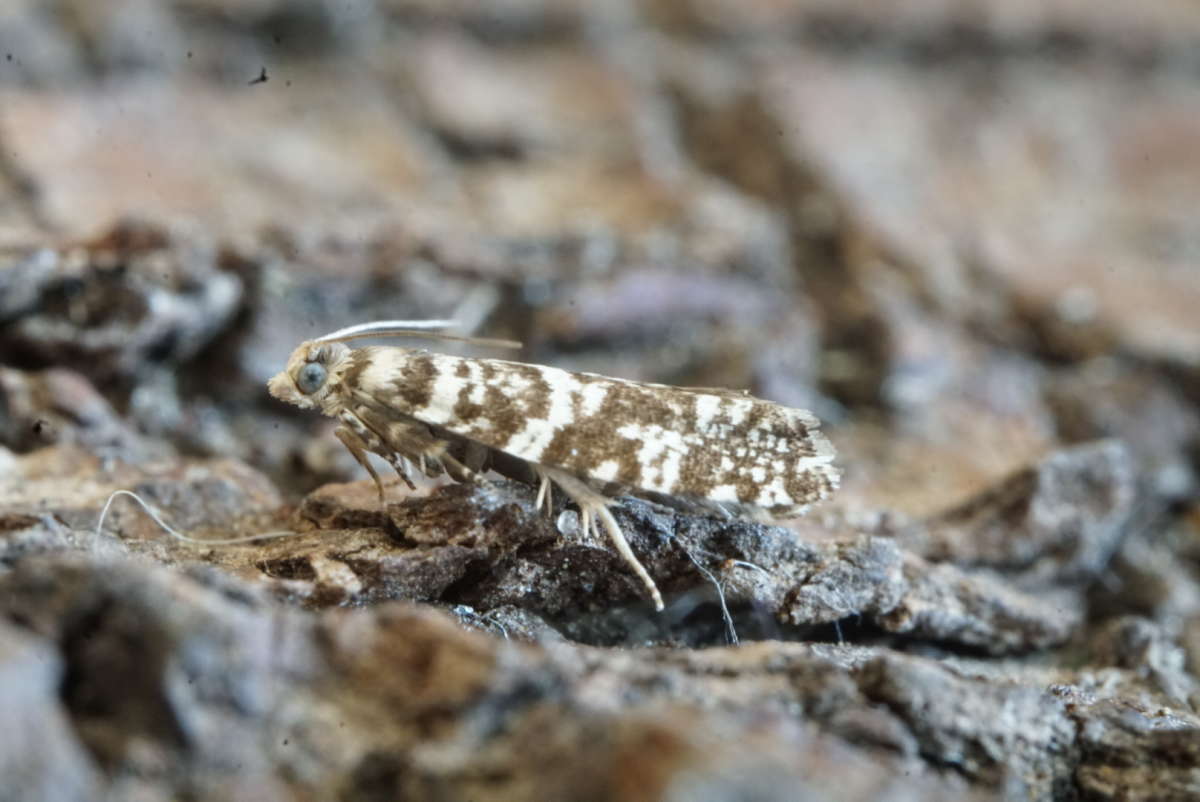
(593, 507)
(415, 441)
(358, 447)
(407, 439)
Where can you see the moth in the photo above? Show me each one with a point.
(593, 437)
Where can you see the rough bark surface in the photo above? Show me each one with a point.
(962, 235)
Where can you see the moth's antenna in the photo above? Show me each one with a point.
(387, 325)
(422, 329)
(175, 533)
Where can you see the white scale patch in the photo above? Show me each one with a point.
(669, 475)
(655, 441)
(593, 396)
(707, 408)
(817, 463)
(443, 395)
(738, 410)
(532, 441)
(384, 368)
(723, 493)
(478, 387)
(606, 470)
(774, 494)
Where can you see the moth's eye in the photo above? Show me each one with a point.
(310, 378)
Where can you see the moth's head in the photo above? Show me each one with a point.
(310, 374)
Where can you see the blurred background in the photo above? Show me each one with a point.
(963, 233)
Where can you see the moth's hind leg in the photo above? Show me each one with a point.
(545, 491)
(593, 510)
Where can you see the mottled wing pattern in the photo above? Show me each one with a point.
(721, 447)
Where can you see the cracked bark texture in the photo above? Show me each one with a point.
(962, 236)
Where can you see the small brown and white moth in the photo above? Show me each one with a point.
(594, 437)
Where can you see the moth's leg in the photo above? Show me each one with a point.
(412, 438)
(586, 523)
(544, 491)
(618, 539)
(464, 459)
(406, 438)
(358, 447)
(592, 507)
(475, 456)
(398, 465)
(459, 472)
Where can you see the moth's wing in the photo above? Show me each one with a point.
(727, 448)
